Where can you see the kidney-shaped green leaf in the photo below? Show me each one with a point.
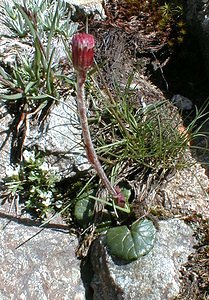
(130, 244)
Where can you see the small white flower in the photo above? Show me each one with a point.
(47, 198)
(47, 202)
(58, 204)
(56, 172)
(44, 167)
(12, 170)
(49, 194)
(29, 155)
(32, 190)
(45, 195)
(42, 195)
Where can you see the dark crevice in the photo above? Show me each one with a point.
(87, 274)
(185, 73)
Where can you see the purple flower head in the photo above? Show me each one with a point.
(82, 51)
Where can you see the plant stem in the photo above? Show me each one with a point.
(90, 151)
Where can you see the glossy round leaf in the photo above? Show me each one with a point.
(130, 244)
(83, 210)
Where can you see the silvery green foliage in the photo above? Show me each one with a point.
(42, 15)
(42, 25)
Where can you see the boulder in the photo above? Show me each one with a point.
(44, 267)
(60, 138)
(5, 140)
(83, 8)
(155, 276)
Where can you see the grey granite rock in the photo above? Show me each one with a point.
(60, 138)
(86, 7)
(152, 277)
(5, 141)
(44, 268)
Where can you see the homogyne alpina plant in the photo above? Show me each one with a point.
(82, 58)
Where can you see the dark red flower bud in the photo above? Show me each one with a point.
(82, 51)
(120, 199)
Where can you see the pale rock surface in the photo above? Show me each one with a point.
(152, 277)
(87, 7)
(187, 191)
(60, 137)
(44, 268)
(5, 119)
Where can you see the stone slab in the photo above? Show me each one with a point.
(154, 276)
(44, 268)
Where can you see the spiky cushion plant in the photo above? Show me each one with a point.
(82, 57)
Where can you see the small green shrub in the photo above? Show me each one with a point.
(33, 184)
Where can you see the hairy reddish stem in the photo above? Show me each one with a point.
(90, 151)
